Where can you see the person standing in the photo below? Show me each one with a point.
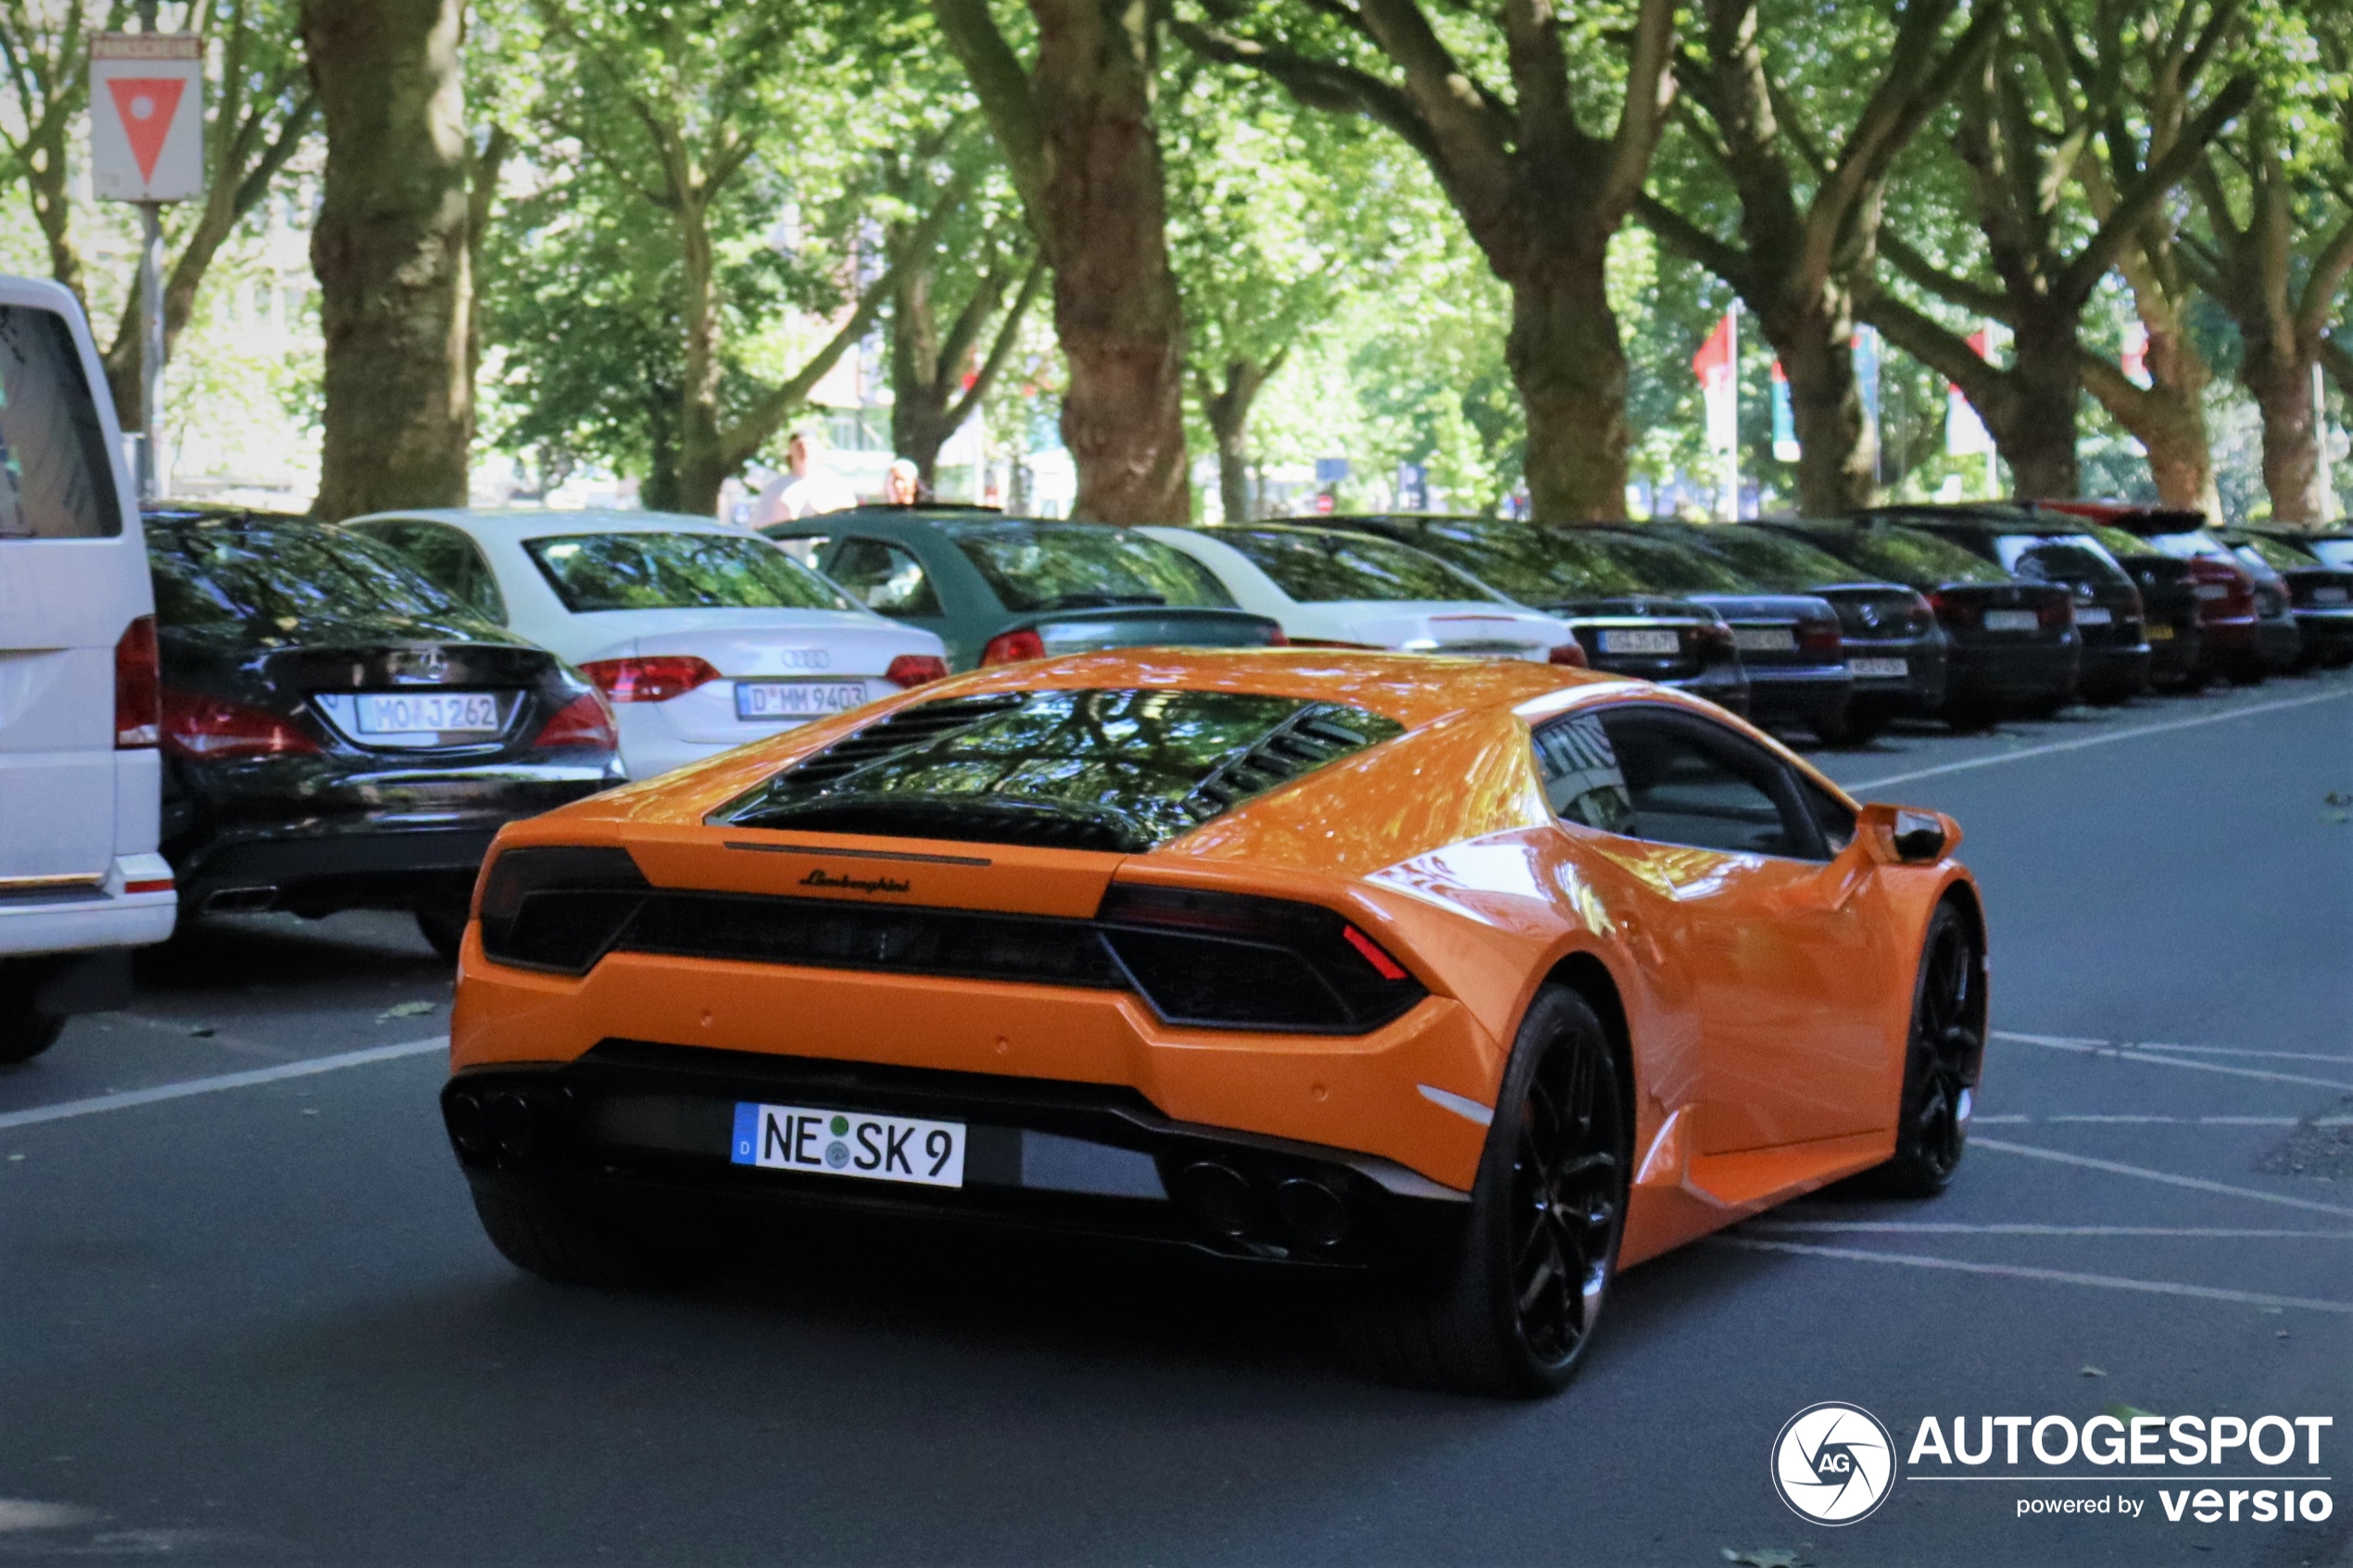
(804, 489)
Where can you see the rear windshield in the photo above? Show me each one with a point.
(2336, 552)
(1530, 564)
(1118, 769)
(2064, 558)
(1087, 568)
(1322, 568)
(2189, 543)
(275, 585)
(1666, 567)
(1917, 559)
(599, 571)
(55, 479)
(1773, 561)
(2118, 543)
(2276, 553)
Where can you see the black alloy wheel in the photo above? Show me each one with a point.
(1513, 1311)
(444, 926)
(1568, 1181)
(1940, 1064)
(25, 1031)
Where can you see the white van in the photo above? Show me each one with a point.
(81, 883)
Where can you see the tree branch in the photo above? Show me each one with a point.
(2326, 278)
(1650, 88)
(1694, 243)
(2134, 204)
(1003, 89)
(1940, 348)
(1969, 296)
(1322, 84)
(1008, 331)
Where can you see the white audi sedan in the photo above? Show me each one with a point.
(1333, 588)
(702, 635)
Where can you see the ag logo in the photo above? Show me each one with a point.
(1834, 1464)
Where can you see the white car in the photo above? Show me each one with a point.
(80, 780)
(1333, 588)
(703, 636)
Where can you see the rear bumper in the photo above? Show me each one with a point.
(644, 1131)
(1919, 690)
(2116, 666)
(1798, 692)
(1728, 688)
(2278, 643)
(83, 920)
(2013, 672)
(2324, 630)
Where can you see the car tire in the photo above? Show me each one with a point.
(542, 1234)
(1942, 1051)
(1841, 724)
(1971, 715)
(1512, 1307)
(25, 1032)
(444, 926)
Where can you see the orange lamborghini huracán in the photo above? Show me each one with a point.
(1465, 983)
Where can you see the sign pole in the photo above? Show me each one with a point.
(151, 464)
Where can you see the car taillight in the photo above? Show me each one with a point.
(1011, 647)
(1571, 654)
(1237, 960)
(1278, 638)
(584, 721)
(654, 677)
(1957, 613)
(137, 683)
(1818, 636)
(1711, 639)
(914, 669)
(1923, 613)
(2055, 612)
(558, 906)
(208, 729)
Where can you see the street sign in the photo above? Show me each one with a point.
(146, 115)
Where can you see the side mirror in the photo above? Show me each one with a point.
(1907, 836)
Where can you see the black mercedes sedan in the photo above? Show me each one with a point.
(1788, 643)
(1623, 627)
(338, 732)
(1894, 649)
(2046, 547)
(2320, 594)
(2015, 648)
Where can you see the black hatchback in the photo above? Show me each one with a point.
(2041, 546)
(1894, 649)
(2320, 594)
(1624, 627)
(2015, 648)
(338, 732)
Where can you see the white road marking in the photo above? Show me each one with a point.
(2145, 1173)
(2161, 1046)
(1954, 1227)
(2019, 1270)
(2020, 1121)
(2025, 753)
(2129, 1053)
(130, 1098)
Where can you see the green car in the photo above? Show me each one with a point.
(999, 589)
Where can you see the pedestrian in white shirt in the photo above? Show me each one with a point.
(802, 490)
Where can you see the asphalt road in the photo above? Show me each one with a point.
(258, 1324)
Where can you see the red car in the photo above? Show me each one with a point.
(2242, 635)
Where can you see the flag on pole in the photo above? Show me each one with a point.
(1965, 433)
(1785, 448)
(1717, 365)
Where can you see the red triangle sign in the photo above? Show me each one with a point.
(145, 104)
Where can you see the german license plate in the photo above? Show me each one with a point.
(2159, 632)
(1640, 642)
(796, 699)
(2091, 615)
(2012, 620)
(2328, 595)
(848, 1143)
(1877, 668)
(411, 713)
(1764, 639)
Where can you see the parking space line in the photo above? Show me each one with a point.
(2163, 1045)
(1958, 1227)
(2145, 1173)
(2051, 747)
(182, 1091)
(2020, 1271)
(2129, 1053)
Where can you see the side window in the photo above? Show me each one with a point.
(56, 479)
(1580, 774)
(1831, 815)
(883, 577)
(449, 558)
(1693, 785)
